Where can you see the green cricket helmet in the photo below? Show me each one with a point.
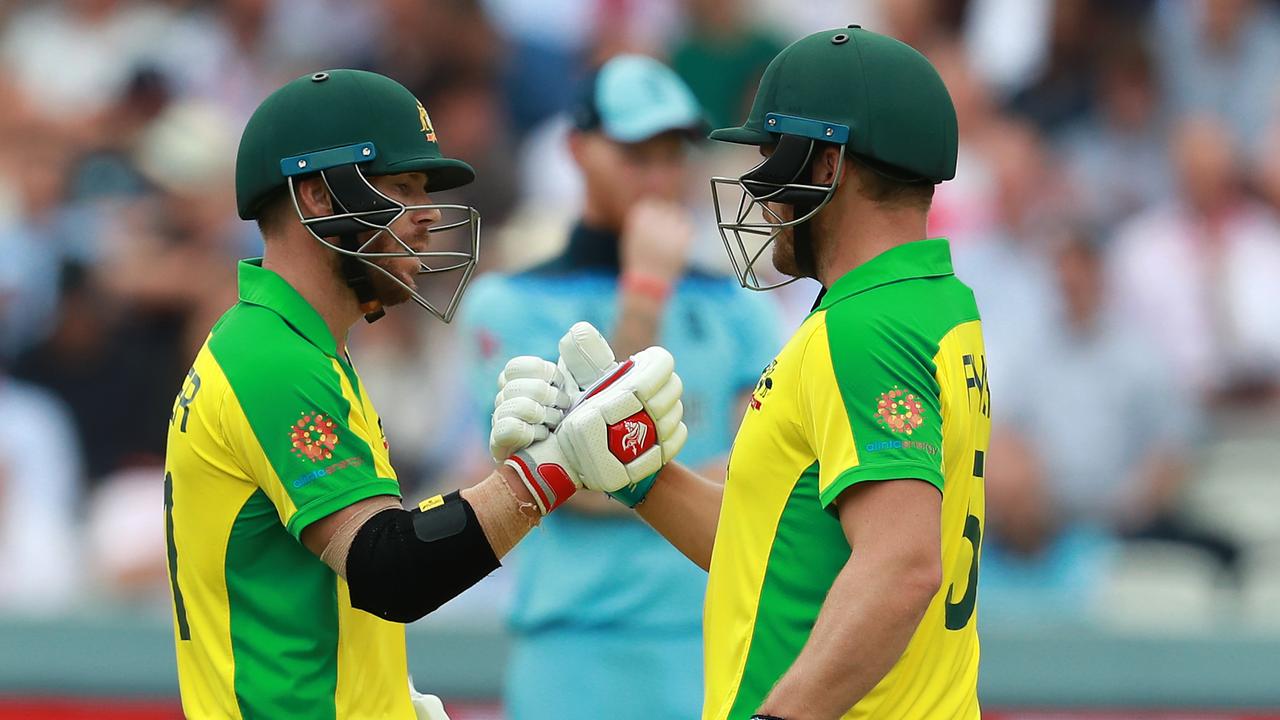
(345, 126)
(875, 97)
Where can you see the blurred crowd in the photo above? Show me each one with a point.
(1116, 210)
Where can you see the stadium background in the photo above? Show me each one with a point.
(1117, 210)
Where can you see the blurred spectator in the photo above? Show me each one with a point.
(722, 57)
(110, 373)
(35, 240)
(1094, 442)
(427, 44)
(40, 472)
(71, 58)
(1200, 272)
(105, 169)
(124, 537)
(1006, 265)
(632, 601)
(1063, 92)
(964, 208)
(232, 53)
(467, 110)
(410, 367)
(545, 43)
(1108, 423)
(1007, 41)
(922, 24)
(1219, 57)
(1118, 155)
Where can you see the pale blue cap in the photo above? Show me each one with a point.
(634, 97)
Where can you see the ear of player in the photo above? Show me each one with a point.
(602, 425)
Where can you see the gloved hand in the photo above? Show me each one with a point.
(534, 394)
(622, 425)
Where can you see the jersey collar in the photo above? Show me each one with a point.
(919, 259)
(260, 286)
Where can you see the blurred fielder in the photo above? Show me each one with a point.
(632, 606)
(292, 563)
(843, 547)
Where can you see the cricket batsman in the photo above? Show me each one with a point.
(843, 547)
(292, 563)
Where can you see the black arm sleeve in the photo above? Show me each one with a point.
(404, 564)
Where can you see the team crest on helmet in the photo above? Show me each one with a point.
(428, 130)
(312, 437)
(899, 411)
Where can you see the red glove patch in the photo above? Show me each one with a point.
(632, 436)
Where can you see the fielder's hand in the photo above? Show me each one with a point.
(620, 429)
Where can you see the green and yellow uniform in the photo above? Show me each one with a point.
(271, 432)
(885, 380)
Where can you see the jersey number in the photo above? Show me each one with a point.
(180, 607)
(960, 612)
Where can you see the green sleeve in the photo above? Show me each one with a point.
(299, 438)
(888, 399)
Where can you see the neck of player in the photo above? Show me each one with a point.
(853, 229)
(312, 270)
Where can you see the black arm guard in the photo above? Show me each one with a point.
(403, 565)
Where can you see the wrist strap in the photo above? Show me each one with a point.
(649, 286)
(548, 482)
(633, 495)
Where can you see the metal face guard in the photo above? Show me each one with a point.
(364, 208)
(749, 227)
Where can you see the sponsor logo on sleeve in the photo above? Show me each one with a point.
(899, 411)
(313, 437)
(304, 480)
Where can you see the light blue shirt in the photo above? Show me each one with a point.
(579, 571)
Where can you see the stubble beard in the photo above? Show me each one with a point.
(387, 291)
(784, 252)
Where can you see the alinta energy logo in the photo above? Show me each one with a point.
(312, 437)
(899, 411)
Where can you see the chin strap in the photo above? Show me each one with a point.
(357, 277)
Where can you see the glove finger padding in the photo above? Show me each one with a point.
(511, 434)
(528, 410)
(528, 367)
(672, 446)
(666, 398)
(667, 425)
(585, 356)
(654, 368)
(540, 391)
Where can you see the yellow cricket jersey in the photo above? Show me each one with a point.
(885, 380)
(271, 432)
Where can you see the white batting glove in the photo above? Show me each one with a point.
(534, 394)
(585, 359)
(621, 430)
(529, 405)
